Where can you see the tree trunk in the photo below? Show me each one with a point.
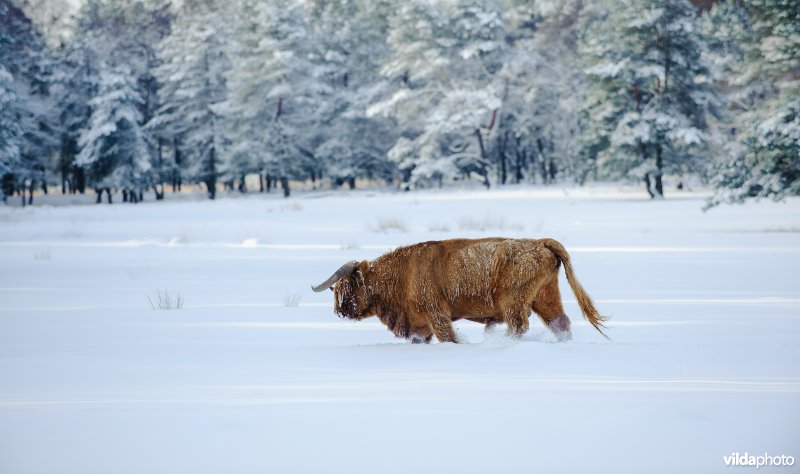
(542, 161)
(647, 185)
(176, 174)
(659, 187)
(211, 180)
(351, 182)
(285, 186)
(501, 152)
(483, 172)
(269, 183)
(520, 159)
(260, 182)
(80, 180)
(160, 167)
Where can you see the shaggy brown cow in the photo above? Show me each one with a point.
(416, 291)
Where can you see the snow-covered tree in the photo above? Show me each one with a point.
(30, 62)
(274, 88)
(192, 77)
(350, 45)
(77, 83)
(54, 18)
(445, 62)
(650, 91)
(538, 122)
(762, 63)
(10, 132)
(114, 151)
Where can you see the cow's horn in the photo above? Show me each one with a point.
(345, 269)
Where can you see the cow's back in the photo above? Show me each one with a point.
(434, 274)
(459, 275)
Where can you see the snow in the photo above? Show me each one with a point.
(702, 362)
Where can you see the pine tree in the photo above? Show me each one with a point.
(538, 122)
(650, 92)
(10, 133)
(764, 66)
(114, 151)
(350, 44)
(192, 77)
(445, 62)
(30, 62)
(275, 89)
(77, 80)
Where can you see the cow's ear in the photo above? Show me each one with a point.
(362, 266)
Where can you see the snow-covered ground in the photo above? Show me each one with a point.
(704, 359)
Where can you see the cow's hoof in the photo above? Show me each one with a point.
(560, 326)
(420, 340)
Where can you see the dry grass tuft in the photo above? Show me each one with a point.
(43, 255)
(165, 300)
(291, 300)
(389, 224)
(439, 227)
(486, 223)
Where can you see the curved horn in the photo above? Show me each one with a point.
(345, 269)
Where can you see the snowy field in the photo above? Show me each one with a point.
(255, 374)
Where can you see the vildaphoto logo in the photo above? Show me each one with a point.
(757, 461)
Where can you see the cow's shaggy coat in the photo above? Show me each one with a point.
(417, 290)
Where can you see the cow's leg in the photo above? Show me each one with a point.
(516, 318)
(421, 335)
(442, 328)
(490, 324)
(548, 306)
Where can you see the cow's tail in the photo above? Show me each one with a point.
(584, 300)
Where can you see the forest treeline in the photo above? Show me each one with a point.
(134, 95)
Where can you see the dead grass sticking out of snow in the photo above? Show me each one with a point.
(165, 300)
(486, 223)
(43, 255)
(389, 224)
(439, 227)
(291, 300)
(291, 206)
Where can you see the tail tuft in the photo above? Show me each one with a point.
(583, 298)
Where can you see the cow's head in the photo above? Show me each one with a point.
(351, 299)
